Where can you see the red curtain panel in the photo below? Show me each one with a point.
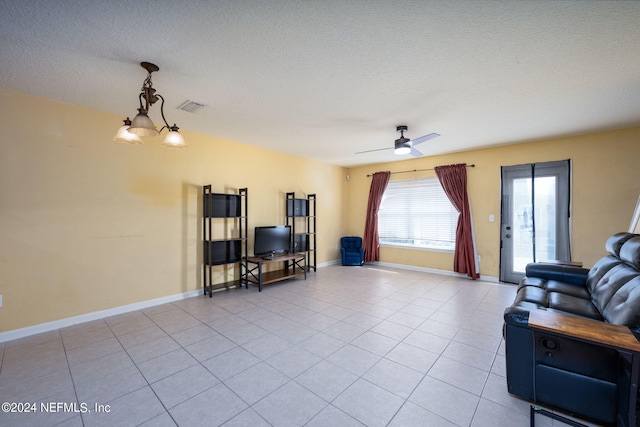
(371, 239)
(453, 179)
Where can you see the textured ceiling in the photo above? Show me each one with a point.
(326, 79)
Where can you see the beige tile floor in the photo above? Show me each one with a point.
(349, 346)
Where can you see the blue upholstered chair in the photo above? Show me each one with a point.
(352, 250)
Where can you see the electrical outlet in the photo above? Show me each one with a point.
(0, 300)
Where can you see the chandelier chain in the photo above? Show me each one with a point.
(147, 82)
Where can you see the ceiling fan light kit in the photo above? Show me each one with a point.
(142, 125)
(402, 144)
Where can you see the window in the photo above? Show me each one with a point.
(417, 214)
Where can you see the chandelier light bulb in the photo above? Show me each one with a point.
(174, 138)
(124, 136)
(142, 125)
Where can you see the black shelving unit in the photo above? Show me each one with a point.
(301, 216)
(227, 213)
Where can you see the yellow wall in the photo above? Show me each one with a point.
(606, 186)
(89, 224)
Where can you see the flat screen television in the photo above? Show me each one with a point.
(272, 240)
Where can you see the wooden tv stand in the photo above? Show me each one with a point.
(293, 266)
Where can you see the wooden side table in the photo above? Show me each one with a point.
(615, 337)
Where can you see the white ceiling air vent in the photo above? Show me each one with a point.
(190, 106)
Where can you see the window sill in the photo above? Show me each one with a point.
(416, 248)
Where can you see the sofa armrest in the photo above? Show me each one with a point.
(561, 273)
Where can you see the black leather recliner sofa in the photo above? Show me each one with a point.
(585, 379)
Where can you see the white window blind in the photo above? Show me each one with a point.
(417, 213)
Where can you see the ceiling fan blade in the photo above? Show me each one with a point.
(377, 149)
(424, 138)
(415, 153)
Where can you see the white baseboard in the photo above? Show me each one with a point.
(492, 279)
(327, 264)
(96, 315)
(433, 270)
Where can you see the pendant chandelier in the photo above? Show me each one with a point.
(141, 125)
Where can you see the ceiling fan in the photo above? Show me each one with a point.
(405, 145)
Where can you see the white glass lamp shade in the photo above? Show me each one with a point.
(402, 148)
(142, 125)
(174, 138)
(123, 134)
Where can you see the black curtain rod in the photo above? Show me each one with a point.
(420, 170)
